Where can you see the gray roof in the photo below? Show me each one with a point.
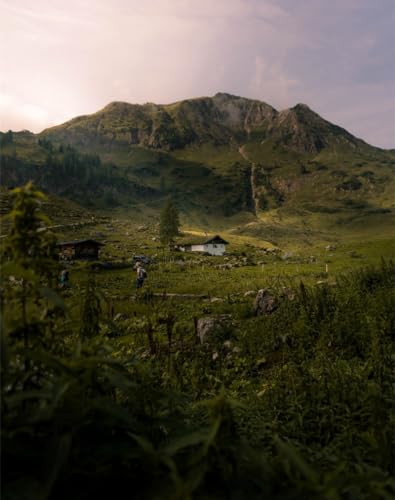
(216, 239)
(79, 242)
(213, 240)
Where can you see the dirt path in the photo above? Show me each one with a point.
(253, 174)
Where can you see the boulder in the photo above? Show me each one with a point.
(265, 302)
(210, 327)
(250, 293)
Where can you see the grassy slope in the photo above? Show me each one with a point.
(343, 192)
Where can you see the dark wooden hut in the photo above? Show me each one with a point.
(79, 249)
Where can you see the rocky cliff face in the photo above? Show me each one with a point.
(303, 130)
(221, 119)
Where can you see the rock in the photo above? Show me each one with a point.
(209, 327)
(287, 293)
(120, 317)
(330, 248)
(216, 299)
(142, 228)
(265, 302)
(250, 293)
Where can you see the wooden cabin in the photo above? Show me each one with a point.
(213, 246)
(79, 249)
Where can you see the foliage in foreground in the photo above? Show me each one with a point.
(302, 410)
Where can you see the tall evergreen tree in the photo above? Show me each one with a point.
(169, 223)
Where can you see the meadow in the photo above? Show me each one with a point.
(106, 388)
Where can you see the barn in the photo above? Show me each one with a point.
(213, 246)
(79, 249)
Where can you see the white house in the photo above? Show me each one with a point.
(213, 246)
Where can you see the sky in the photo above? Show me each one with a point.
(61, 59)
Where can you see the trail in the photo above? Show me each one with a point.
(253, 173)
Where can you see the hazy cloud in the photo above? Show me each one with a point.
(61, 59)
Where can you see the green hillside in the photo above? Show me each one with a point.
(222, 159)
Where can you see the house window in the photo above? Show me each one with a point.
(215, 246)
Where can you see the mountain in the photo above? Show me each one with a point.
(220, 120)
(217, 156)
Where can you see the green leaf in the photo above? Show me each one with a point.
(289, 452)
(186, 441)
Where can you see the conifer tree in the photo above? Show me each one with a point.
(169, 223)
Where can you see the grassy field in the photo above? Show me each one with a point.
(116, 389)
(251, 262)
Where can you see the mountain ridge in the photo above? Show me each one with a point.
(219, 119)
(217, 157)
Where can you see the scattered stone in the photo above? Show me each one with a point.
(210, 326)
(142, 228)
(227, 344)
(216, 299)
(120, 317)
(272, 250)
(265, 303)
(250, 293)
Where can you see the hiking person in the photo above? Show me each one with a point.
(64, 278)
(141, 274)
